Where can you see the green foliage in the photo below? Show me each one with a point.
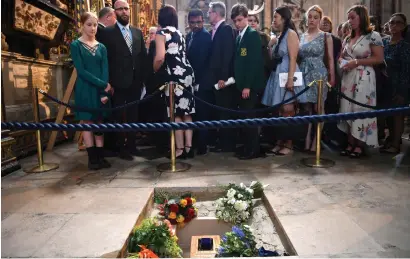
(240, 242)
(155, 236)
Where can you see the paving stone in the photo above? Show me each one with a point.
(326, 232)
(23, 234)
(89, 235)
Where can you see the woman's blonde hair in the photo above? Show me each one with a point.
(315, 8)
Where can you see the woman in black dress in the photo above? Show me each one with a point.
(170, 49)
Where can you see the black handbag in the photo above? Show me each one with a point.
(291, 132)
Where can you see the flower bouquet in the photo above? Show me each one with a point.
(154, 238)
(179, 211)
(238, 243)
(236, 206)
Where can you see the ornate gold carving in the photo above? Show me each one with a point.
(31, 19)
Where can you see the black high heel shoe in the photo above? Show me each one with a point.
(183, 155)
(190, 153)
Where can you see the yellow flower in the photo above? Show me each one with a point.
(180, 219)
(175, 238)
(181, 225)
(172, 215)
(193, 200)
(183, 203)
(196, 211)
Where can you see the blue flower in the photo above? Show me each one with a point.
(221, 250)
(238, 231)
(224, 239)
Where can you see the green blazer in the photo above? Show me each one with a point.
(249, 71)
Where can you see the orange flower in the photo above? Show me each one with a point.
(172, 215)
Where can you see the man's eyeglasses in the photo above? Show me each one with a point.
(195, 23)
(395, 22)
(122, 9)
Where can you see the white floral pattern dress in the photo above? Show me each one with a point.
(179, 71)
(359, 84)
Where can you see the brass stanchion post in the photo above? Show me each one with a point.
(173, 166)
(317, 161)
(41, 167)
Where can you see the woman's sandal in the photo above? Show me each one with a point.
(279, 153)
(274, 151)
(355, 154)
(347, 151)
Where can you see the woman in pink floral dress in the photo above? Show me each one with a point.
(361, 51)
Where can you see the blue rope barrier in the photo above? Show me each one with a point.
(281, 121)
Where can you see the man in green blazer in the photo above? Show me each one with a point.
(249, 75)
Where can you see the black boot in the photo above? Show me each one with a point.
(100, 155)
(93, 163)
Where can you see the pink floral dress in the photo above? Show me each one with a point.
(360, 85)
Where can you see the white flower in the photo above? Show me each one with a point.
(172, 48)
(231, 193)
(240, 196)
(178, 91)
(242, 186)
(253, 183)
(241, 206)
(187, 81)
(219, 214)
(232, 201)
(249, 190)
(168, 37)
(172, 201)
(179, 71)
(183, 103)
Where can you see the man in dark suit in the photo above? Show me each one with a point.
(106, 17)
(127, 58)
(249, 75)
(198, 46)
(221, 69)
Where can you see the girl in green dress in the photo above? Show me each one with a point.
(92, 89)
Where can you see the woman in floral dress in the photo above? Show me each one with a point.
(170, 48)
(362, 50)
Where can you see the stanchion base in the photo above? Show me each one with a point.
(321, 163)
(179, 167)
(42, 168)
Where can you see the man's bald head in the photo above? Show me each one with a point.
(107, 16)
(119, 3)
(122, 11)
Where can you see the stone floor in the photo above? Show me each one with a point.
(359, 208)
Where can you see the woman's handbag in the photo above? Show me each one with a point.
(291, 132)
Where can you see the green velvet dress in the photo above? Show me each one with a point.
(92, 78)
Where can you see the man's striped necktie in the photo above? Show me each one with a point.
(127, 39)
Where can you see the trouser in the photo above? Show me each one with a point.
(204, 113)
(226, 97)
(250, 135)
(126, 141)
